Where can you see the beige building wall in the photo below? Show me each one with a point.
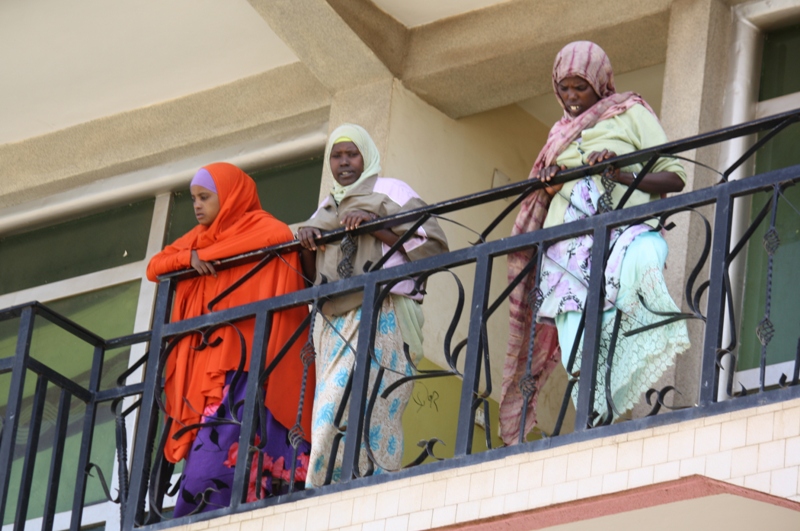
(442, 158)
(259, 109)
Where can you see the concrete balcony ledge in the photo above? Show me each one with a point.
(729, 471)
(688, 503)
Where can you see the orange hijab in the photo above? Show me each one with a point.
(195, 378)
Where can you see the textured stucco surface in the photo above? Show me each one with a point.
(67, 63)
(504, 53)
(385, 36)
(274, 106)
(323, 42)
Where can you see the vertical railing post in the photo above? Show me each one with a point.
(29, 462)
(595, 301)
(258, 351)
(358, 394)
(716, 298)
(56, 460)
(469, 386)
(770, 246)
(86, 439)
(14, 405)
(142, 448)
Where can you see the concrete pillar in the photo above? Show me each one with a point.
(694, 85)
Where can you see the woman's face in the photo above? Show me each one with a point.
(347, 164)
(577, 94)
(206, 204)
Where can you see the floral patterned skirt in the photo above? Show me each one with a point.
(335, 362)
(642, 358)
(208, 471)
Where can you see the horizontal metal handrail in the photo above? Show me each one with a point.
(513, 189)
(57, 319)
(638, 213)
(722, 196)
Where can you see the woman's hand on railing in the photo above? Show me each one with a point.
(546, 174)
(613, 173)
(354, 218)
(307, 237)
(202, 267)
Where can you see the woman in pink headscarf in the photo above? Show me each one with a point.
(598, 124)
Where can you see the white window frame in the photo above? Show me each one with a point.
(159, 182)
(751, 20)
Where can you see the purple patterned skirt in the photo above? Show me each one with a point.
(207, 477)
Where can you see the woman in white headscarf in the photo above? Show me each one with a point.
(359, 195)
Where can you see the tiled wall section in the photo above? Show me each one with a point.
(758, 448)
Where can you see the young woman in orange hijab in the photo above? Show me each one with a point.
(202, 384)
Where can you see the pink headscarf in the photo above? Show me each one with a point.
(588, 61)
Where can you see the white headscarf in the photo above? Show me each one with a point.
(369, 152)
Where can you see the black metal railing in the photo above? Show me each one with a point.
(145, 481)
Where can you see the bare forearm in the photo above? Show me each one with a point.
(388, 237)
(308, 259)
(654, 183)
(662, 182)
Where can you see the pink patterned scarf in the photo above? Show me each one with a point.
(588, 61)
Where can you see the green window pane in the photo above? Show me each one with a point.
(289, 193)
(181, 217)
(780, 74)
(109, 313)
(780, 152)
(77, 247)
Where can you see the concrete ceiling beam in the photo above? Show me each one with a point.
(466, 65)
(325, 44)
(503, 54)
(384, 35)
